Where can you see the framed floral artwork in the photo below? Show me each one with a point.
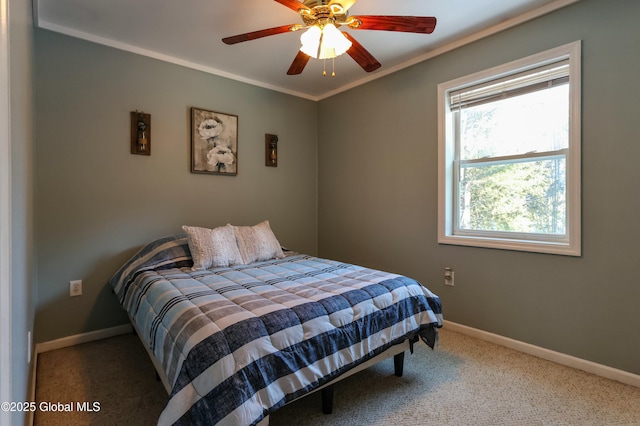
(214, 142)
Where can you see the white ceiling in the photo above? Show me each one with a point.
(188, 32)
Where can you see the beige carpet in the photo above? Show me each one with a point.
(465, 381)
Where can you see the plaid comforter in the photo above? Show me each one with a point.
(236, 343)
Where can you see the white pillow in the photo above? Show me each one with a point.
(212, 247)
(257, 242)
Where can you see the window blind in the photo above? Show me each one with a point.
(541, 78)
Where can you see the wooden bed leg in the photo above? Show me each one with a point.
(327, 399)
(398, 364)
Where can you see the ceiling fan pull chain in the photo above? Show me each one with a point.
(324, 66)
(333, 65)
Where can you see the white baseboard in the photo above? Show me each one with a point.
(91, 336)
(557, 357)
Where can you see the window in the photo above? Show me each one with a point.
(509, 155)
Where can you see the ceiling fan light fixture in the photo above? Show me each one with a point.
(325, 43)
(333, 38)
(323, 38)
(310, 40)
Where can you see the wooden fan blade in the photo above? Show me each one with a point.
(257, 34)
(292, 4)
(298, 64)
(361, 55)
(346, 4)
(407, 24)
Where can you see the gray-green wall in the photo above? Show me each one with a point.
(371, 198)
(96, 203)
(378, 192)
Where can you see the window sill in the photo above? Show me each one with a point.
(566, 249)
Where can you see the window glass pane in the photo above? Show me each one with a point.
(533, 122)
(528, 196)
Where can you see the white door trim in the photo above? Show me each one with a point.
(5, 216)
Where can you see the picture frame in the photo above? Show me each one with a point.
(214, 142)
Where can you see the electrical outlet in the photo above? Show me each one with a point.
(75, 288)
(449, 276)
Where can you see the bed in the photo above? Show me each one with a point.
(235, 341)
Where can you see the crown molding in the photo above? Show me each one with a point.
(520, 19)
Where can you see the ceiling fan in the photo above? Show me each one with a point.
(324, 41)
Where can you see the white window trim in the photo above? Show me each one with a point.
(572, 245)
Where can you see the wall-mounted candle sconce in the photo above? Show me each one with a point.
(271, 150)
(140, 133)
